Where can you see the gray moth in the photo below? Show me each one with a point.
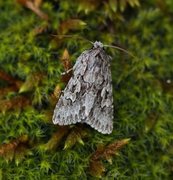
(87, 98)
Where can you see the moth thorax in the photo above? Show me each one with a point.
(98, 44)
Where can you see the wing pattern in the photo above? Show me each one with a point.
(87, 97)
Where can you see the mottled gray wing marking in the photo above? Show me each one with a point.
(87, 97)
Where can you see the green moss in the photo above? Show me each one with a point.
(143, 87)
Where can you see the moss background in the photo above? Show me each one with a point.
(32, 57)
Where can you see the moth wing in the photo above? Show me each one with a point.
(88, 95)
(68, 109)
(101, 116)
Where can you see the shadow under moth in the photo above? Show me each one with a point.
(87, 98)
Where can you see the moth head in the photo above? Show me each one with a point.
(98, 44)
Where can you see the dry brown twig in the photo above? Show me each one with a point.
(35, 7)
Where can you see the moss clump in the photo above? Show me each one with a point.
(31, 65)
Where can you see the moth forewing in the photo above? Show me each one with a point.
(87, 97)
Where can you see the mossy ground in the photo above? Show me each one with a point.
(30, 69)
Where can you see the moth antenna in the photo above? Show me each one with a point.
(121, 49)
(73, 36)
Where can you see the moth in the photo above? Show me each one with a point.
(88, 98)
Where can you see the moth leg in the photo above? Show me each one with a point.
(66, 72)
